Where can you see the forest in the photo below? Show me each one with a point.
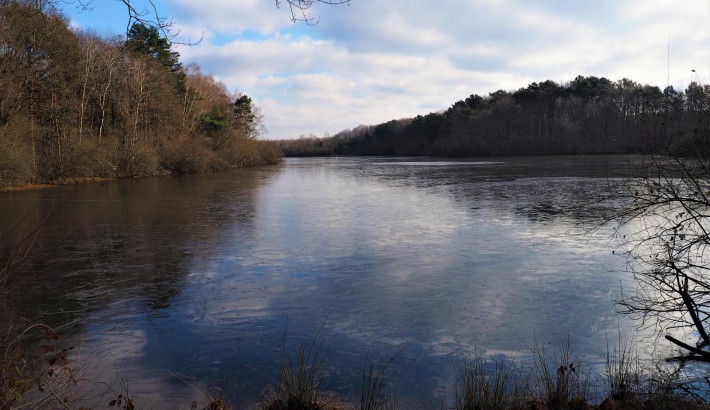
(74, 104)
(588, 115)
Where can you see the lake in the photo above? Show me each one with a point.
(164, 281)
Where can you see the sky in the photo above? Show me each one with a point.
(371, 61)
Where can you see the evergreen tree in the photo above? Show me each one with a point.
(147, 40)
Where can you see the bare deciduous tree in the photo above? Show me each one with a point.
(669, 254)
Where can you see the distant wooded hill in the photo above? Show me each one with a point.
(588, 115)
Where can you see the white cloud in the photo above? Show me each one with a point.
(75, 25)
(377, 60)
(232, 17)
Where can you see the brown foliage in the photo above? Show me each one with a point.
(76, 105)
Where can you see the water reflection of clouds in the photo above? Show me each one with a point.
(450, 284)
(391, 264)
(123, 360)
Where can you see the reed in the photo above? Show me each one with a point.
(300, 378)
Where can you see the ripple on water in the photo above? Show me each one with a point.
(208, 276)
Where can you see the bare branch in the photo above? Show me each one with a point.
(702, 354)
(300, 9)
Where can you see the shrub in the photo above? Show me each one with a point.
(190, 157)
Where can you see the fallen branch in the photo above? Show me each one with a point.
(704, 356)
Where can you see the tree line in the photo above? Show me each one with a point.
(588, 115)
(75, 104)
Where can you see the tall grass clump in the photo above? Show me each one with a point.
(559, 380)
(623, 371)
(300, 377)
(484, 384)
(631, 383)
(376, 392)
(551, 379)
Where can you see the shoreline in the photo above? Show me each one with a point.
(29, 186)
(60, 182)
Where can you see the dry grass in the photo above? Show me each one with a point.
(34, 381)
(559, 380)
(375, 393)
(624, 373)
(489, 384)
(551, 380)
(300, 378)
